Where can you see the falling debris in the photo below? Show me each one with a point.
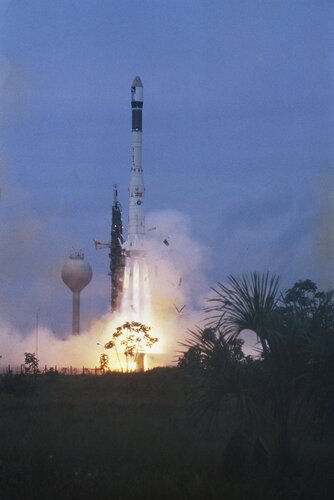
(180, 282)
(166, 242)
(179, 310)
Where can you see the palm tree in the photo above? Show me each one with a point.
(253, 302)
(281, 402)
(245, 303)
(214, 364)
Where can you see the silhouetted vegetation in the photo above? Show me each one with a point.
(281, 401)
(104, 363)
(16, 384)
(131, 338)
(30, 363)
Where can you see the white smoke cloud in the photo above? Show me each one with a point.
(178, 274)
(177, 267)
(179, 263)
(75, 351)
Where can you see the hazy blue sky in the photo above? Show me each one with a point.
(238, 135)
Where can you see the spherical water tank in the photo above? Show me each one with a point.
(76, 274)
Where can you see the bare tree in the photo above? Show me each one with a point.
(131, 338)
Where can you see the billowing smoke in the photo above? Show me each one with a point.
(176, 266)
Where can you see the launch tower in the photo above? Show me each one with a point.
(116, 254)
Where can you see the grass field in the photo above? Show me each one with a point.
(118, 436)
(113, 436)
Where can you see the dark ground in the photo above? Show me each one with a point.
(117, 436)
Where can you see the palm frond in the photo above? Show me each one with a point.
(244, 303)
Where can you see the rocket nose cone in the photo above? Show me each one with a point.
(137, 82)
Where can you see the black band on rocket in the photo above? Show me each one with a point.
(137, 121)
(137, 104)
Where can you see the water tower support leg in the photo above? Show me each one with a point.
(76, 313)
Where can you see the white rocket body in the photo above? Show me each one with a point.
(136, 228)
(136, 293)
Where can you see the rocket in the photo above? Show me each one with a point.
(128, 270)
(136, 223)
(136, 294)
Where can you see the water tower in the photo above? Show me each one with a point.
(76, 274)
